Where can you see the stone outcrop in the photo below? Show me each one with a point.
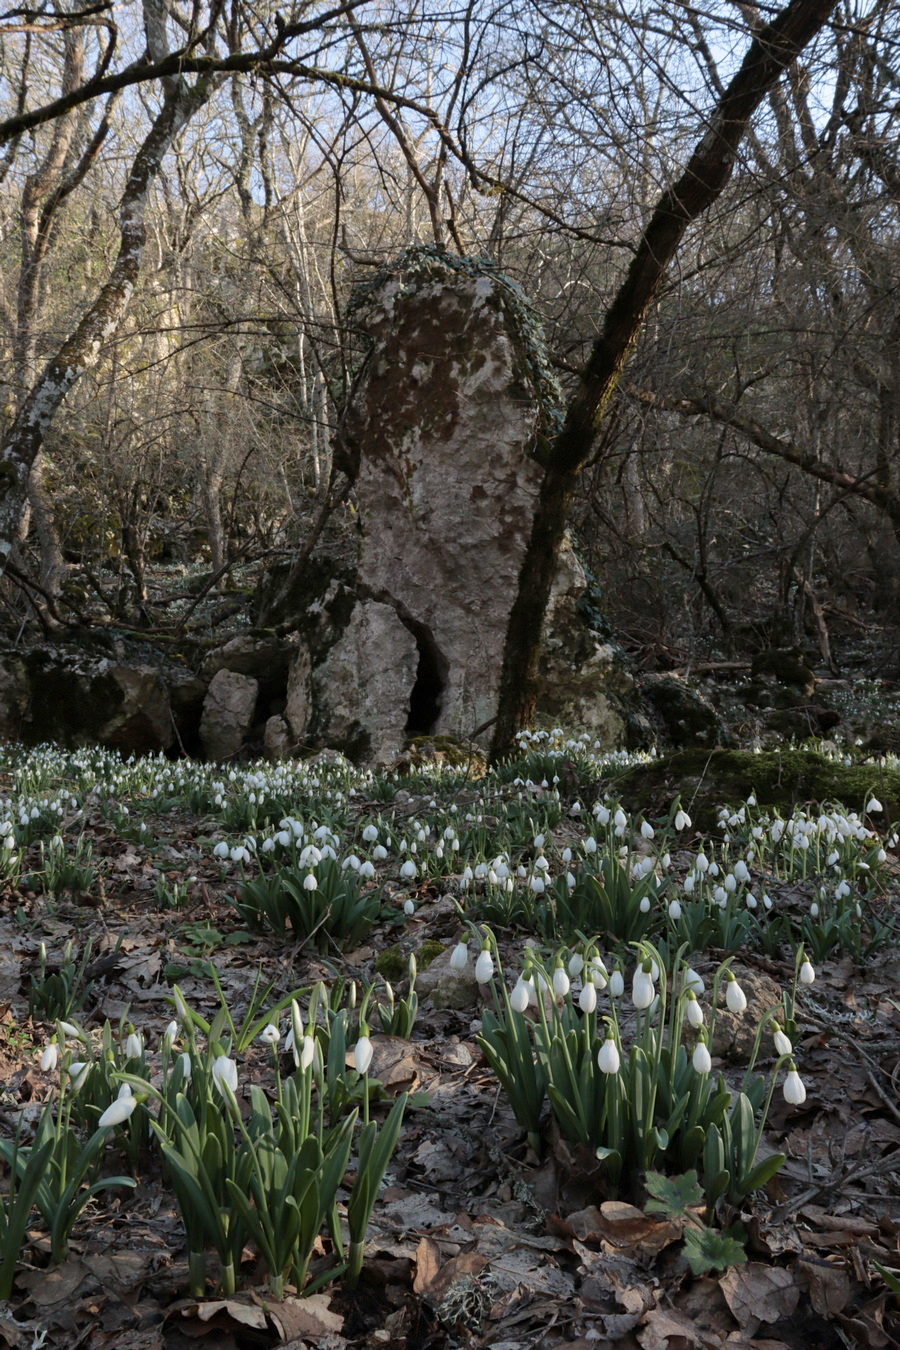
(227, 714)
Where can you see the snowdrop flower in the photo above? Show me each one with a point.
(814, 910)
(644, 906)
(270, 1035)
(589, 844)
(576, 964)
(598, 973)
(50, 1057)
(873, 806)
(693, 981)
(794, 1091)
(119, 1111)
(692, 1010)
(78, 1072)
(520, 996)
(620, 820)
(459, 956)
(701, 1059)
(783, 1044)
(616, 984)
(370, 834)
(409, 908)
(807, 973)
(730, 883)
(701, 862)
(307, 1052)
(134, 1045)
(69, 1029)
(363, 1052)
(537, 884)
(647, 830)
(225, 1074)
(484, 966)
(608, 1058)
(379, 852)
(170, 1034)
(560, 980)
(220, 850)
(735, 997)
(690, 882)
(587, 999)
(366, 871)
(642, 991)
(310, 883)
(674, 910)
(682, 820)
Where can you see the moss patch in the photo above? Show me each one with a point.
(429, 951)
(392, 964)
(780, 780)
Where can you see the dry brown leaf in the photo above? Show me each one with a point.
(468, 1265)
(830, 1286)
(245, 1314)
(296, 1318)
(57, 1285)
(756, 1293)
(665, 1329)
(428, 1265)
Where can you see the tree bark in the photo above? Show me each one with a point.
(770, 52)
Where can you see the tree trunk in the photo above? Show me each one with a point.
(771, 51)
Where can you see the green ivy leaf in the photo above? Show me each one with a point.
(707, 1249)
(672, 1196)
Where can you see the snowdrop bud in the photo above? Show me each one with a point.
(118, 1112)
(674, 911)
(783, 1044)
(608, 1058)
(807, 973)
(642, 991)
(751, 901)
(225, 1074)
(730, 883)
(617, 984)
(307, 1052)
(692, 1010)
(590, 844)
(134, 1045)
(587, 999)
(647, 829)
(362, 1054)
(459, 956)
(701, 1058)
(690, 882)
(50, 1057)
(794, 1091)
(701, 862)
(71, 1030)
(409, 908)
(767, 901)
(735, 997)
(576, 965)
(693, 981)
(560, 980)
(171, 1033)
(270, 1035)
(620, 820)
(741, 870)
(520, 996)
(644, 906)
(484, 966)
(814, 910)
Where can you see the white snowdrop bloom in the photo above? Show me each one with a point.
(693, 981)
(170, 1034)
(713, 869)
(617, 984)
(730, 883)
(310, 883)
(608, 1057)
(783, 1044)
(589, 844)
(307, 1052)
(225, 1074)
(647, 830)
(690, 882)
(352, 862)
(220, 850)
(601, 814)
(270, 1035)
(484, 967)
(735, 997)
(310, 856)
(50, 1057)
(78, 1072)
(239, 854)
(575, 809)
(644, 906)
(620, 820)
(701, 1059)
(379, 852)
(118, 1112)
(682, 820)
(587, 999)
(370, 834)
(832, 858)
(814, 910)
(541, 864)
(807, 973)
(538, 841)
(794, 1091)
(767, 901)
(538, 884)
(408, 870)
(720, 895)
(134, 1045)
(576, 964)
(642, 991)
(268, 845)
(561, 983)
(409, 908)
(366, 871)
(647, 865)
(666, 860)
(751, 901)
(881, 856)
(692, 1011)
(674, 910)
(598, 973)
(69, 1029)
(362, 1054)
(873, 806)
(701, 862)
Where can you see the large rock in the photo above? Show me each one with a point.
(227, 714)
(266, 657)
(76, 698)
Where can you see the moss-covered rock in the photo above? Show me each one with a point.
(421, 751)
(779, 779)
(392, 964)
(686, 716)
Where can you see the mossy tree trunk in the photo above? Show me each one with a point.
(771, 51)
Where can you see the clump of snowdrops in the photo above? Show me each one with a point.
(629, 1075)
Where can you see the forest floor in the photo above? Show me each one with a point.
(476, 1238)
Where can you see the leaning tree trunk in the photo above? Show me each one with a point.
(771, 51)
(84, 347)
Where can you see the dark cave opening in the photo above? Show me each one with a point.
(426, 698)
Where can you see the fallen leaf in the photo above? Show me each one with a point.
(662, 1324)
(829, 1286)
(296, 1318)
(428, 1264)
(756, 1293)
